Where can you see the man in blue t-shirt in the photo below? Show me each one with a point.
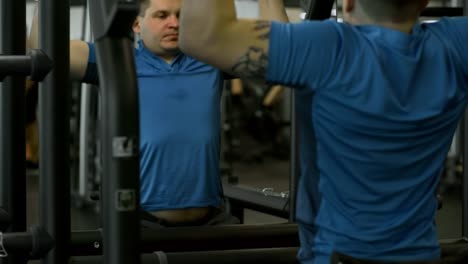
(179, 119)
(380, 97)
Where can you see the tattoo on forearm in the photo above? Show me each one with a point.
(263, 26)
(253, 64)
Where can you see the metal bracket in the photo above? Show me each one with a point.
(3, 252)
(124, 147)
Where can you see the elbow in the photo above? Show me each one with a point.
(189, 44)
(184, 43)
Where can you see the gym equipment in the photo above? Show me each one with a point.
(199, 238)
(5, 220)
(54, 132)
(36, 243)
(36, 63)
(12, 132)
(265, 201)
(442, 11)
(112, 21)
(465, 162)
(253, 256)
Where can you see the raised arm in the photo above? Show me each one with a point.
(273, 10)
(210, 32)
(79, 51)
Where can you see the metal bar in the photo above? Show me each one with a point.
(319, 9)
(12, 122)
(36, 64)
(15, 65)
(442, 11)
(465, 162)
(464, 132)
(255, 200)
(111, 23)
(5, 220)
(120, 126)
(294, 160)
(277, 256)
(54, 98)
(89, 97)
(87, 243)
(35, 243)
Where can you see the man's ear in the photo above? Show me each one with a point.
(136, 25)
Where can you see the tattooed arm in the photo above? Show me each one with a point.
(211, 32)
(273, 10)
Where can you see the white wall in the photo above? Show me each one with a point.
(76, 19)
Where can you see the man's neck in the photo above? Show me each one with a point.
(403, 26)
(168, 57)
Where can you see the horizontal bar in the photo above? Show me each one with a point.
(5, 220)
(15, 65)
(442, 11)
(253, 256)
(36, 63)
(36, 243)
(255, 200)
(89, 243)
(450, 249)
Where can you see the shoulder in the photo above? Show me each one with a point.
(448, 24)
(191, 64)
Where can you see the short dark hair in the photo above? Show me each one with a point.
(391, 9)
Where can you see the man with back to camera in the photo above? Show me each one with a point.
(380, 98)
(179, 118)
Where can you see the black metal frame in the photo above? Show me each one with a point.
(464, 132)
(12, 120)
(36, 242)
(121, 234)
(442, 11)
(120, 128)
(36, 64)
(54, 97)
(181, 239)
(241, 197)
(251, 256)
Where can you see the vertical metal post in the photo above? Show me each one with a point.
(120, 134)
(111, 22)
(464, 133)
(54, 98)
(294, 169)
(12, 121)
(465, 163)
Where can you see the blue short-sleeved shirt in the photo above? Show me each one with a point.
(377, 112)
(179, 131)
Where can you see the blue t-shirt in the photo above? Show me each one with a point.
(377, 112)
(179, 131)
